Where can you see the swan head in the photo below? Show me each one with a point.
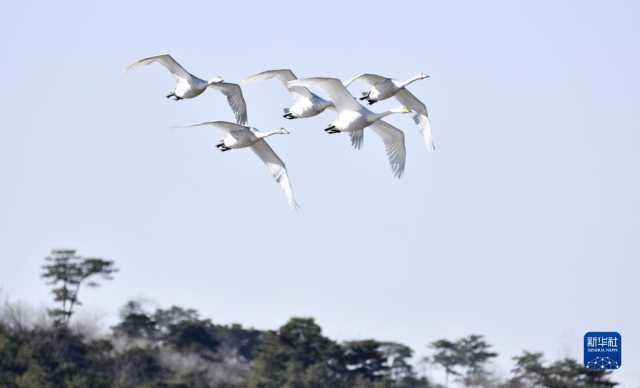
(422, 76)
(282, 131)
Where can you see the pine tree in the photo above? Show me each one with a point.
(66, 271)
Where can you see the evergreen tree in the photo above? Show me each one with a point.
(474, 355)
(364, 359)
(447, 355)
(530, 371)
(297, 356)
(67, 272)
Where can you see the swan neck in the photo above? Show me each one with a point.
(263, 135)
(410, 81)
(378, 116)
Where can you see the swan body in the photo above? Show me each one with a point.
(383, 88)
(190, 86)
(306, 103)
(240, 136)
(307, 107)
(353, 118)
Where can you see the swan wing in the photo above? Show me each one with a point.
(370, 78)
(393, 140)
(276, 167)
(421, 117)
(233, 92)
(334, 88)
(226, 126)
(425, 129)
(165, 60)
(284, 75)
(356, 138)
(407, 99)
(299, 91)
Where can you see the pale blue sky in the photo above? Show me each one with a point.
(522, 226)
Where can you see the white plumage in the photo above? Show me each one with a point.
(240, 136)
(306, 103)
(383, 88)
(354, 118)
(190, 86)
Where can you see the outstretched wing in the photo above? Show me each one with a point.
(233, 92)
(226, 126)
(421, 117)
(370, 78)
(407, 98)
(393, 140)
(425, 129)
(284, 75)
(356, 138)
(165, 60)
(334, 88)
(277, 169)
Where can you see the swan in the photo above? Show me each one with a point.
(240, 136)
(190, 86)
(354, 118)
(383, 88)
(307, 104)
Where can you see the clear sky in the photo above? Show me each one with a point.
(522, 226)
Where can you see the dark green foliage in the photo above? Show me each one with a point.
(53, 357)
(192, 336)
(530, 371)
(447, 355)
(398, 357)
(465, 358)
(364, 360)
(297, 356)
(241, 341)
(136, 325)
(138, 367)
(176, 348)
(474, 355)
(173, 316)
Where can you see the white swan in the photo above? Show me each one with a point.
(353, 118)
(307, 104)
(190, 86)
(240, 136)
(383, 88)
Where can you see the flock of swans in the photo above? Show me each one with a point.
(352, 117)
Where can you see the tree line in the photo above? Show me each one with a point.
(177, 348)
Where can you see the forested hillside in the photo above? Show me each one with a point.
(176, 347)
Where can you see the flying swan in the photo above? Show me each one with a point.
(240, 136)
(307, 104)
(354, 118)
(190, 86)
(383, 88)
